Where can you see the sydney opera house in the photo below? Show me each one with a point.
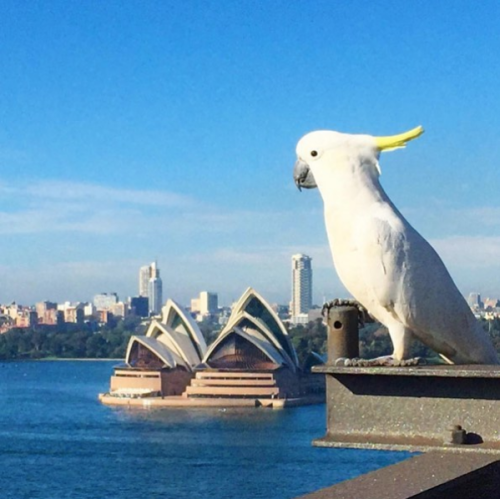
(252, 362)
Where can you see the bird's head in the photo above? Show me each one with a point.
(322, 150)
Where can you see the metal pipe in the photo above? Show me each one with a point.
(343, 333)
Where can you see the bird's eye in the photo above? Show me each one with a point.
(314, 153)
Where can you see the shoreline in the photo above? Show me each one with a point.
(79, 359)
(63, 359)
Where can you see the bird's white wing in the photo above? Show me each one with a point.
(381, 251)
(405, 278)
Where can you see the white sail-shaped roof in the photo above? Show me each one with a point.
(254, 337)
(253, 319)
(176, 318)
(169, 358)
(246, 321)
(255, 305)
(177, 340)
(261, 342)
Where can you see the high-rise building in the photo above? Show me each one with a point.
(209, 303)
(144, 276)
(155, 290)
(301, 286)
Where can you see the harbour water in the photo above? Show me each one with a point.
(58, 441)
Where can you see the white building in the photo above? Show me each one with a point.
(89, 309)
(209, 303)
(155, 290)
(195, 305)
(63, 306)
(120, 309)
(205, 305)
(301, 286)
(105, 301)
(144, 276)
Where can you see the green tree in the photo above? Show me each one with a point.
(308, 338)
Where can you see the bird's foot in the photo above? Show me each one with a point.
(338, 302)
(384, 361)
(363, 315)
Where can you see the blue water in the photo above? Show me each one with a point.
(58, 441)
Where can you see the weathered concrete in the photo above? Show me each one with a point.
(428, 476)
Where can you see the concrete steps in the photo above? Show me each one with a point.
(230, 382)
(219, 384)
(242, 391)
(232, 375)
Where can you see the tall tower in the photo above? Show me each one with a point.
(144, 276)
(155, 290)
(301, 285)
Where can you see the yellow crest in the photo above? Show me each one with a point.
(398, 141)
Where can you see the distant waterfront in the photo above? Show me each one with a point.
(59, 442)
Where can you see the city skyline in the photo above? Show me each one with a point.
(207, 302)
(122, 137)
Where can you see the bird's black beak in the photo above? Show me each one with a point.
(302, 175)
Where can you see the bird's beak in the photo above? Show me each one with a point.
(397, 141)
(303, 176)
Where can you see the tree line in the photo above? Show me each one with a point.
(374, 340)
(74, 341)
(70, 342)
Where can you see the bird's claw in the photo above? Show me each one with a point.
(386, 361)
(363, 315)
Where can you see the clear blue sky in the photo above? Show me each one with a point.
(135, 130)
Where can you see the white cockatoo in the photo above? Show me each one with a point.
(380, 258)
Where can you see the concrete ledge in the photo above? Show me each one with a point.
(440, 371)
(391, 443)
(429, 476)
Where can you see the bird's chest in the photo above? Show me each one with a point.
(344, 235)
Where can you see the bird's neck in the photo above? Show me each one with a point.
(347, 191)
